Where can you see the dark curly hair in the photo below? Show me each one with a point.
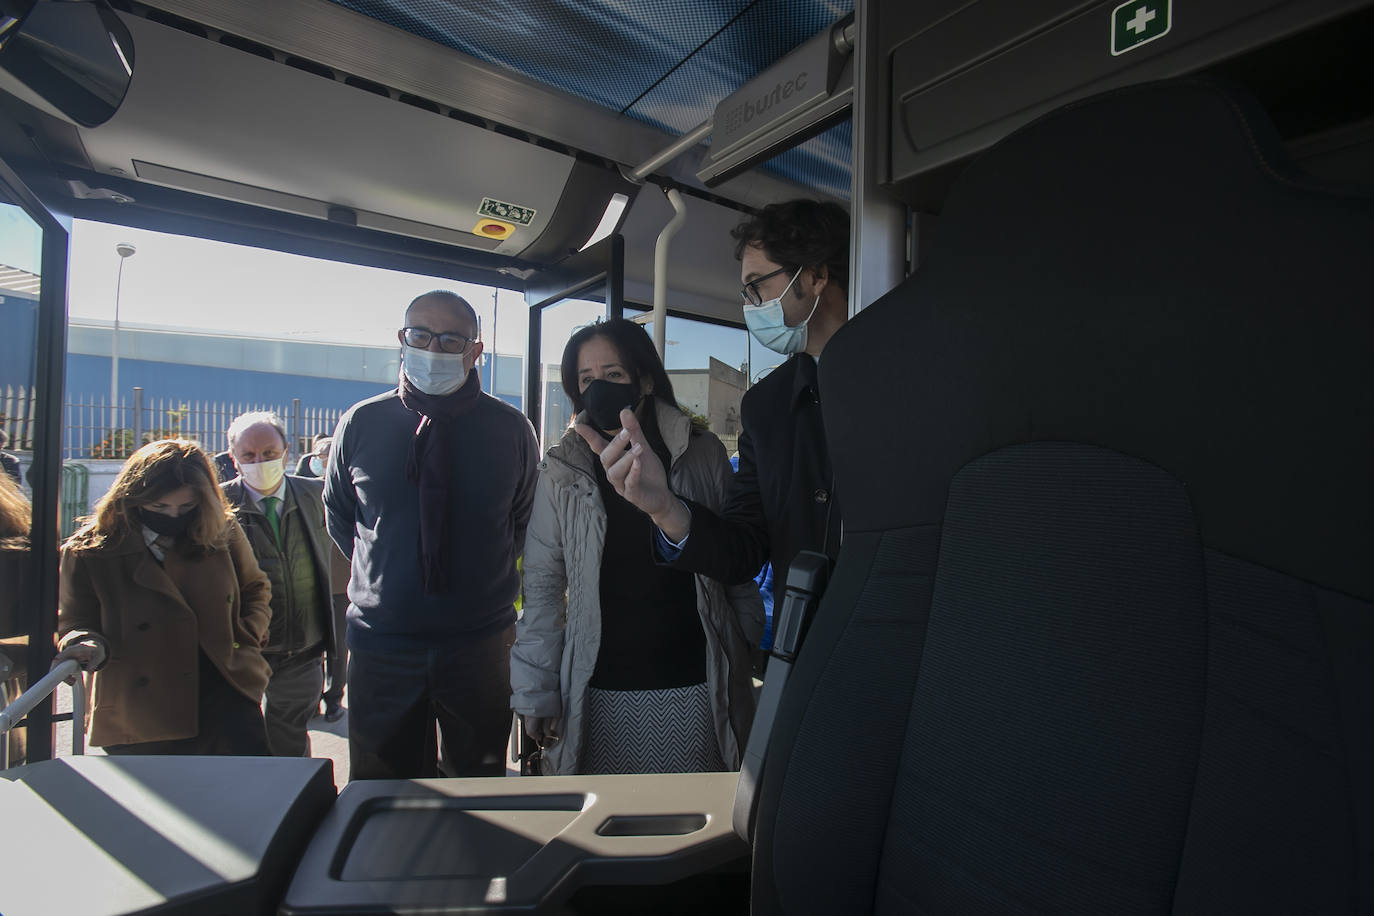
(800, 233)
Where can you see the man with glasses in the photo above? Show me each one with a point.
(794, 263)
(428, 490)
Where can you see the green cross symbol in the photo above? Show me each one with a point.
(1139, 22)
(502, 210)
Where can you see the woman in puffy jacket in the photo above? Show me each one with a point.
(161, 597)
(621, 665)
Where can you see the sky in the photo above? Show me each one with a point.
(20, 239)
(198, 284)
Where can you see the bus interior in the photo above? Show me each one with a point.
(1098, 638)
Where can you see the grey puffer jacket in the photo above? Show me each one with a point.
(559, 634)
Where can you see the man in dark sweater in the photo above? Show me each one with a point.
(428, 490)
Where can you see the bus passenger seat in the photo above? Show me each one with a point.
(1101, 635)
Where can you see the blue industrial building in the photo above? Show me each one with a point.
(176, 368)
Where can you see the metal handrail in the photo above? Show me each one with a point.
(12, 714)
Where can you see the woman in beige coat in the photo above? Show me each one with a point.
(621, 665)
(161, 597)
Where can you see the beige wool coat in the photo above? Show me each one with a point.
(559, 634)
(151, 617)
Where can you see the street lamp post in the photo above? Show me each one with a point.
(495, 319)
(125, 251)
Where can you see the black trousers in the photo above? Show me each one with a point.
(293, 698)
(336, 662)
(230, 724)
(395, 698)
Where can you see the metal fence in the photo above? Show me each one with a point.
(76, 496)
(16, 417)
(95, 428)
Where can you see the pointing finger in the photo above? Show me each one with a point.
(613, 451)
(618, 470)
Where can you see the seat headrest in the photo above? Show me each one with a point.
(1142, 271)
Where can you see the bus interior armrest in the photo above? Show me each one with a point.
(485, 845)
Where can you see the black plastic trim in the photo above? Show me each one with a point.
(45, 474)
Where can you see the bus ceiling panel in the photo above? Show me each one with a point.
(199, 108)
(764, 33)
(420, 65)
(606, 53)
(703, 275)
(664, 64)
(963, 76)
(158, 208)
(593, 206)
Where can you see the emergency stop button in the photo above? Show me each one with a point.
(493, 229)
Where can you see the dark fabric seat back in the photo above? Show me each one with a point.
(1101, 634)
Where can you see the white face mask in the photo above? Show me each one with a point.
(769, 326)
(264, 476)
(317, 465)
(433, 373)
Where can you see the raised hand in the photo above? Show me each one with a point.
(638, 475)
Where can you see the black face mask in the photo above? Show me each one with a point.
(170, 525)
(604, 400)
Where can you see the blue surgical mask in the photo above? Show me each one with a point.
(433, 373)
(317, 465)
(769, 327)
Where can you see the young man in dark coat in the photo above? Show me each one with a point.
(794, 266)
(283, 518)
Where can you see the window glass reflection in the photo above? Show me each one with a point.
(21, 243)
(558, 324)
(710, 369)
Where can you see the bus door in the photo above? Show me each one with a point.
(577, 291)
(33, 271)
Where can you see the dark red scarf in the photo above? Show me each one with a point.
(430, 465)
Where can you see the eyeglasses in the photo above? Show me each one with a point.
(749, 292)
(419, 338)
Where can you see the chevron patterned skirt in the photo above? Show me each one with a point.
(650, 731)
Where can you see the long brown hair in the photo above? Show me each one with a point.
(15, 515)
(150, 473)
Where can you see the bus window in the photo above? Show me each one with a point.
(557, 324)
(708, 365)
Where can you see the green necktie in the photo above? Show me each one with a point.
(269, 509)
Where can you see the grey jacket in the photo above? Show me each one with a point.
(559, 634)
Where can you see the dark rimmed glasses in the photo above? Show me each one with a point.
(749, 292)
(420, 338)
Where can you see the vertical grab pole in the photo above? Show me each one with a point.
(661, 271)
